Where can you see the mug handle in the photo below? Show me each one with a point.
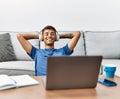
(105, 69)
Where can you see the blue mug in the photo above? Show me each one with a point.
(110, 71)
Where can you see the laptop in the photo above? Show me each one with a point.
(72, 72)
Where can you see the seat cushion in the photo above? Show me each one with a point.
(17, 67)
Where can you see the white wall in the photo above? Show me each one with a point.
(33, 15)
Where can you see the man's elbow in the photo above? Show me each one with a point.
(19, 36)
(78, 34)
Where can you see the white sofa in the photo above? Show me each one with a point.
(104, 43)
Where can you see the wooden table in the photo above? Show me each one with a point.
(39, 92)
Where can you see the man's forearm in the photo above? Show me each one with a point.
(66, 35)
(69, 35)
(28, 36)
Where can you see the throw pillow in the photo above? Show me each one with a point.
(6, 48)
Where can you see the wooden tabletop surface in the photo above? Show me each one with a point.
(39, 92)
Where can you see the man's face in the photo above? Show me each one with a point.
(49, 37)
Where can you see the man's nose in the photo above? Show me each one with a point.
(49, 34)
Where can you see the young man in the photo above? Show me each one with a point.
(49, 35)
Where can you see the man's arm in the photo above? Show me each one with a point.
(23, 39)
(74, 37)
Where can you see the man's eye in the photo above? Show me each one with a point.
(52, 34)
(46, 34)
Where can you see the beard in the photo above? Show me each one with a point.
(49, 44)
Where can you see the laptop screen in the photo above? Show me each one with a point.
(71, 72)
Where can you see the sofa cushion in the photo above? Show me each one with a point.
(22, 65)
(79, 49)
(17, 67)
(103, 43)
(18, 49)
(6, 48)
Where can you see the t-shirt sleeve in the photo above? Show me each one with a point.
(67, 50)
(33, 52)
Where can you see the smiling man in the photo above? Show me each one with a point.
(49, 35)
